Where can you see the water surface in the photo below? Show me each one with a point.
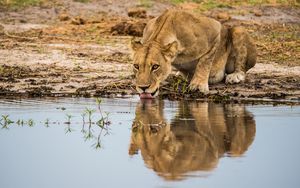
(129, 143)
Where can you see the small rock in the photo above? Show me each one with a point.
(223, 16)
(137, 13)
(23, 21)
(257, 13)
(64, 17)
(189, 6)
(137, 29)
(129, 28)
(78, 21)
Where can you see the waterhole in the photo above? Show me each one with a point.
(79, 142)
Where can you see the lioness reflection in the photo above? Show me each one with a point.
(195, 139)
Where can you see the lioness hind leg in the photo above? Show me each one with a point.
(236, 64)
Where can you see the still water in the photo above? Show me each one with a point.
(128, 143)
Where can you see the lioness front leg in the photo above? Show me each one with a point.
(200, 78)
(236, 67)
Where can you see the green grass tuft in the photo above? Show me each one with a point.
(19, 3)
(145, 3)
(211, 4)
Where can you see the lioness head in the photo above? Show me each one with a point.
(152, 65)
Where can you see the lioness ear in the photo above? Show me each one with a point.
(136, 44)
(170, 50)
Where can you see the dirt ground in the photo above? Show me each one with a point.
(68, 48)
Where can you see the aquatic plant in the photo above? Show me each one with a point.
(47, 122)
(103, 119)
(5, 121)
(22, 122)
(100, 123)
(98, 102)
(89, 112)
(83, 121)
(68, 116)
(68, 128)
(98, 143)
(30, 123)
(89, 133)
(83, 117)
(100, 120)
(19, 122)
(68, 122)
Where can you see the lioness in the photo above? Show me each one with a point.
(199, 47)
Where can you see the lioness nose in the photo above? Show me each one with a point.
(144, 88)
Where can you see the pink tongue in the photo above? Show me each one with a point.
(146, 96)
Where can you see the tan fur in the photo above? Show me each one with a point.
(195, 138)
(200, 47)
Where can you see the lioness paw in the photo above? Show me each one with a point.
(203, 88)
(235, 78)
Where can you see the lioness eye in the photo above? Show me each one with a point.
(155, 67)
(136, 66)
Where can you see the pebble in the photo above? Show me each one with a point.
(224, 16)
(137, 12)
(258, 13)
(63, 17)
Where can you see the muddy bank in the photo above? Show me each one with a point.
(82, 49)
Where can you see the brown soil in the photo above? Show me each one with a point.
(67, 48)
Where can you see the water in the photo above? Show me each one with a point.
(147, 144)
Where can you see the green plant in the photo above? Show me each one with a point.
(211, 4)
(98, 102)
(89, 133)
(18, 122)
(180, 85)
(97, 145)
(20, 3)
(47, 123)
(83, 117)
(30, 123)
(83, 121)
(177, 1)
(100, 125)
(68, 116)
(145, 3)
(89, 112)
(5, 121)
(68, 129)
